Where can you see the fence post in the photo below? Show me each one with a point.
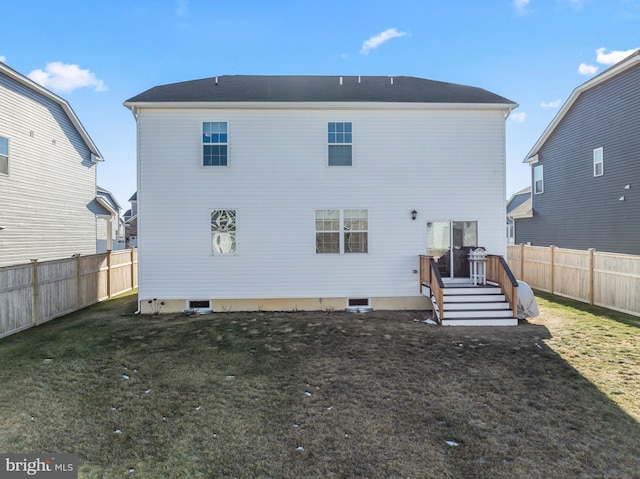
(133, 267)
(109, 274)
(522, 261)
(78, 282)
(553, 261)
(36, 293)
(591, 274)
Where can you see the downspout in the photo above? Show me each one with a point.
(134, 112)
(511, 221)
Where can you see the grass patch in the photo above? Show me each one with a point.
(300, 394)
(603, 345)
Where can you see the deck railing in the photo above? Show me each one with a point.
(430, 276)
(498, 272)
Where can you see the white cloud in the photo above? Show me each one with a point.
(65, 78)
(613, 56)
(550, 104)
(521, 5)
(585, 69)
(519, 117)
(377, 40)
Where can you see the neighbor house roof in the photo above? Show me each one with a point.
(263, 88)
(518, 198)
(520, 204)
(629, 62)
(107, 202)
(524, 210)
(23, 80)
(108, 197)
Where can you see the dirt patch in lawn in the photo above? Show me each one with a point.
(298, 394)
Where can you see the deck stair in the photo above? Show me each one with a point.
(470, 305)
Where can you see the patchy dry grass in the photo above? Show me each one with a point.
(603, 345)
(293, 395)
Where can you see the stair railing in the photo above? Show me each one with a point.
(430, 276)
(498, 272)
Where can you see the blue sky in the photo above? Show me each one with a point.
(97, 54)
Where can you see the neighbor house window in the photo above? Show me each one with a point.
(342, 231)
(538, 179)
(223, 231)
(598, 162)
(214, 143)
(340, 137)
(4, 155)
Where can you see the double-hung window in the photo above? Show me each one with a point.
(342, 231)
(340, 138)
(223, 231)
(538, 179)
(598, 162)
(4, 155)
(215, 143)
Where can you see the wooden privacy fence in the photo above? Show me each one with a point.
(605, 279)
(36, 292)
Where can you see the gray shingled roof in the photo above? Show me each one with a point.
(261, 88)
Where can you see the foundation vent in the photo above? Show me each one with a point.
(359, 305)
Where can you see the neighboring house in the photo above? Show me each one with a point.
(47, 175)
(313, 192)
(586, 168)
(110, 227)
(131, 223)
(518, 206)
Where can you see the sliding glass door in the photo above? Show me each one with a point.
(449, 242)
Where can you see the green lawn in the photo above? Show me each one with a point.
(297, 394)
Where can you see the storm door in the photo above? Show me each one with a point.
(449, 242)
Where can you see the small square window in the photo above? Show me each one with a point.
(598, 162)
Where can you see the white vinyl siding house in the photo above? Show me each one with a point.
(49, 182)
(308, 235)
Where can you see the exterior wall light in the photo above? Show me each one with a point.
(414, 214)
